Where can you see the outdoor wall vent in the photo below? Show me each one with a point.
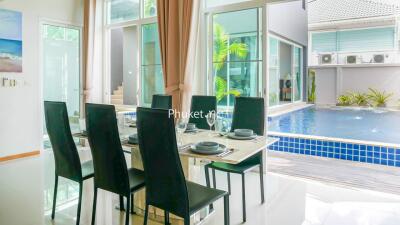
(378, 58)
(351, 59)
(325, 59)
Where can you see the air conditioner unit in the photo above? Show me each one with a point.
(351, 59)
(379, 58)
(326, 59)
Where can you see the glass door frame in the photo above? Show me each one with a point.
(209, 13)
(139, 22)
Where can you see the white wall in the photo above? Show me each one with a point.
(330, 84)
(21, 107)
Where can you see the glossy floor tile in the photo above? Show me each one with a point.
(26, 191)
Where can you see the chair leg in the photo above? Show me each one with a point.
(54, 197)
(214, 180)
(146, 214)
(121, 203)
(226, 210)
(187, 220)
(207, 172)
(262, 182)
(243, 198)
(79, 204)
(166, 217)
(94, 205)
(132, 203)
(127, 214)
(229, 183)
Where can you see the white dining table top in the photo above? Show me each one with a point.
(241, 149)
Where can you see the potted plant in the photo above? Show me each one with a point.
(360, 99)
(344, 100)
(377, 98)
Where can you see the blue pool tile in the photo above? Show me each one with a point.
(319, 148)
(319, 142)
(377, 154)
(349, 151)
(324, 154)
(369, 154)
(337, 150)
(302, 146)
(325, 148)
(337, 144)
(330, 149)
(301, 151)
(343, 145)
(397, 163)
(356, 158)
(330, 144)
(363, 153)
(308, 141)
(390, 163)
(330, 155)
(384, 150)
(313, 142)
(356, 152)
(337, 156)
(291, 139)
(313, 147)
(363, 147)
(391, 156)
(349, 157)
(350, 146)
(377, 149)
(318, 154)
(356, 146)
(369, 148)
(342, 156)
(363, 159)
(384, 162)
(307, 152)
(376, 161)
(313, 152)
(342, 151)
(384, 156)
(398, 151)
(369, 160)
(302, 141)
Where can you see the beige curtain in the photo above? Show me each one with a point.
(174, 22)
(193, 66)
(92, 51)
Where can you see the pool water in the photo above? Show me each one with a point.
(362, 124)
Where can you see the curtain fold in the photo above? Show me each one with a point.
(92, 51)
(174, 22)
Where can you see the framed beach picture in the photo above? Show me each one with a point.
(10, 41)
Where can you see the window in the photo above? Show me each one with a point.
(285, 68)
(236, 56)
(123, 10)
(61, 68)
(149, 8)
(152, 81)
(213, 3)
(373, 39)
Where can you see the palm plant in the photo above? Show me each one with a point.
(378, 99)
(360, 99)
(344, 100)
(222, 49)
(311, 91)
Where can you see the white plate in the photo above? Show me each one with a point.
(233, 136)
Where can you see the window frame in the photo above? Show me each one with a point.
(138, 23)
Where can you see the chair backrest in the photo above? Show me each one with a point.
(161, 102)
(203, 104)
(249, 113)
(164, 177)
(67, 163)
(110, 169)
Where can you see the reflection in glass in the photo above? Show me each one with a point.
(152, 81)
(123, 10)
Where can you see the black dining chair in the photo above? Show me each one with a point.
(166, 187)
(110, 170)
(249, 113)
(202, 105)
(161, 102)
(67, 161)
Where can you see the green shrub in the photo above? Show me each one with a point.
(345, 100)
(377, 98)
(359, 99)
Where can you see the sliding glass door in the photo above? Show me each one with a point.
(236, 55)
(285, 67)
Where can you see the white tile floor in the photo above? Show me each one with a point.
(289, 201)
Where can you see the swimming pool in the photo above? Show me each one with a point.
(356, 134)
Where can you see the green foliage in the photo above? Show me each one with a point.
(377, 98)
(149, 6)
(222, 89)
(273, 99)
(345, 100)
(359, 99)
(222, 47)
(311, 90)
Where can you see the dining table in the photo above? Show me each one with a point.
(192, 163)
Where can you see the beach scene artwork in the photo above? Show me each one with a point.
(10, 41)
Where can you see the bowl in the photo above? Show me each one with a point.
(207, 146)
(243, 132)
(191, 126)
